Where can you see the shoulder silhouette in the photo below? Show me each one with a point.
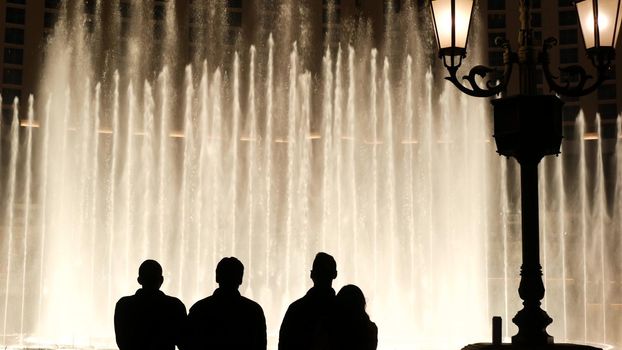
(149, 319)
(226, 319)
(353, 328)
(308, 321)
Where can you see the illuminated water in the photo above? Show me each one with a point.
(247, 152)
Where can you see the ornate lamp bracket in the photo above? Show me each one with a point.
(602, 59)
(493, 85)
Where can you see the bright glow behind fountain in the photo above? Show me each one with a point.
(244, 152)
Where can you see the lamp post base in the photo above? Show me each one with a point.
(532, 323)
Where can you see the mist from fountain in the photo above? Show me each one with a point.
(127, 153)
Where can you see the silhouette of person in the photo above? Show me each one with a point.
(307, 324)
(353, 328)
(227, 320)
(149, 319)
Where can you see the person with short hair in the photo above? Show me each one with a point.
(308, 322)
(226, 319)
(149, 319)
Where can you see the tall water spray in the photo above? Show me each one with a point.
(145, 147)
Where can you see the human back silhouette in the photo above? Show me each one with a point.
(353, 328)
(226, 320)
(149, 319)
(308, 322)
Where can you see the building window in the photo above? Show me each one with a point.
(568, 55)
(159, 12)
(234, 19)
(536, 20)
(570, 98)
(492, 37)
(496, 5)
(495, 58)
(49, 19)
(14, 36)
(565, 3)
(89, 7)
(566, 77)
(237, 4)
(7, 115)
(52, 4)
(124, 8)
(537, 37)
(567, 36)
(15, 15)
(9, 95)
(567, 18)
(608, 111)
(13, 55)
(89, 24)
(12, 76)
(496, 21)
(539, 76)
(570, 112)
(158, 31)
(607, 92)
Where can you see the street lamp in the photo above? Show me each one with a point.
(600, 25)
(528, 126)
(452, 35)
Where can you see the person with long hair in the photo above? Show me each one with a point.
(353, 328)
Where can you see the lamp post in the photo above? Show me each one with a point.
(528, 126)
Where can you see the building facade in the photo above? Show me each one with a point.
(26, 25)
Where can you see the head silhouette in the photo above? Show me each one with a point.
(150, 275)
(229, 273)
(324, 270)
(351, 300)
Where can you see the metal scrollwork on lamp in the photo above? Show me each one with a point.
(600, 25)
(452, 20)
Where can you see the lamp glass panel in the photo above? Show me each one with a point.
(617, 16)
(608, 15)
(463, 19)
(585, 11)
(442, 21)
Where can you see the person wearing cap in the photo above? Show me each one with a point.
(226, 319)
(149, 319)
(308, 322)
